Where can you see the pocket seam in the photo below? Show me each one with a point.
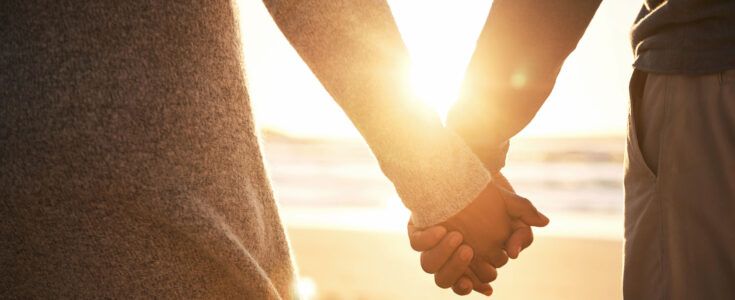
(664, 128)
(637, 153)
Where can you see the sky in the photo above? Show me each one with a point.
(589, 99)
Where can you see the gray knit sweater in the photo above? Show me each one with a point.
(129, 163)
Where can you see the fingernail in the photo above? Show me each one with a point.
(487, 292)
(416, 234)
(543, 217)
(465, 254)
(455, 239)
(518, 251)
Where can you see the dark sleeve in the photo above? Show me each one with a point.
(513, 69)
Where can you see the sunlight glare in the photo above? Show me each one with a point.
(435, 86)
(306, 288)
(440, 35)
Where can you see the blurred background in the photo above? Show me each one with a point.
(345, 221)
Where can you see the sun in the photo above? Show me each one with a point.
(440, 36)
(437, 85)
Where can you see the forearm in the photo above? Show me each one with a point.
(513, 69)
(356, 51)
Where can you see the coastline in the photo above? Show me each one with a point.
(393, 218)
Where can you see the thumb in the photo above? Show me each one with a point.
(520, 208)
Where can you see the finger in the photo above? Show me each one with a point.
(425, 239)
(463, 286)
(477, 285)
(520, 238)
(433, 259)
(521, 208)
(484, 271)
(499, 259)
(454, 268)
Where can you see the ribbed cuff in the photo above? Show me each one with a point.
(446, 185)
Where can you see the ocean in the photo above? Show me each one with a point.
(577, 182)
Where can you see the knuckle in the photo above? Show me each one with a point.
(414, 244)
(485, 273)
(441, 281)
(489, 277)
(500, 261)
(427, 264)
(529, 241)
(460, 291)
(527, 203)
(503, 261)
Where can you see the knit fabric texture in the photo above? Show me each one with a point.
(129, 162)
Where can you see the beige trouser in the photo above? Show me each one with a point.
(680, 187)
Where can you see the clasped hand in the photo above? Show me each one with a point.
(465, 251)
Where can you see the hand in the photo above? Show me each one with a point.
(442, 256)
(436, 256)
(487, 227)
(522, 235)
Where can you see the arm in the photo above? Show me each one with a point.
(355, 50)
(517, 58)
(516, 61)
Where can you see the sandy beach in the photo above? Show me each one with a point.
(380, 265)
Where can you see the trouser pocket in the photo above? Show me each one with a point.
(642, 277)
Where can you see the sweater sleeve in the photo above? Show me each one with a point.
(513, 69)
(355, 50)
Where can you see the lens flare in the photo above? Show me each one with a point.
(306, 288)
